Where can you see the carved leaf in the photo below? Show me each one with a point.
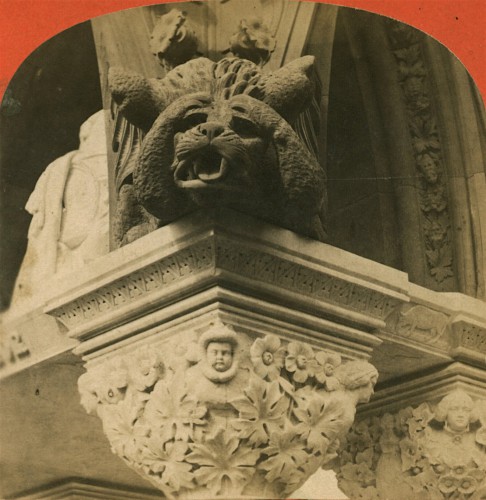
(167, 459)
(286, 453)
(119, 425)
(261, 411)
(173, 411)
(321, 420)
(222, 460)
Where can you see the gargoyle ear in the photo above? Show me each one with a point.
(136, 96)
(290, 89)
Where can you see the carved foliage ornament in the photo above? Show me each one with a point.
(422, 122)
(431, 452)
(219, 134)
(217, 414)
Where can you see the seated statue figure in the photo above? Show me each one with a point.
(69, 208)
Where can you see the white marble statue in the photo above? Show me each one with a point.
(69, 208)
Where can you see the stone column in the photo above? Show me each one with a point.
(224, 366)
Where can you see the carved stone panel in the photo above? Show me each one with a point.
(216, 413)
(430, 451)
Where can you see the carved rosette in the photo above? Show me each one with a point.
(427, 452)
(216, 414)
(406, 45)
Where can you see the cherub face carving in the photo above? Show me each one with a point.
(218, 145)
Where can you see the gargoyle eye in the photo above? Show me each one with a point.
(194, 118)
(239, 109)
(243, 126)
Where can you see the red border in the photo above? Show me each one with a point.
(459, 24)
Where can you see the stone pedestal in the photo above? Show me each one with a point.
(226, 357)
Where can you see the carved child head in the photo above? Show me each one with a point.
(219, 346)
(456, 410)
(220, 355)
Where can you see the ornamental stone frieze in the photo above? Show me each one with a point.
(219, 413)
(433, 448)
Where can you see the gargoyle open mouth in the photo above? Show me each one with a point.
(199, 171)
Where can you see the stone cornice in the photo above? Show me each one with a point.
(427, 387)
(215, 258)
(311, 276)
(80, 490)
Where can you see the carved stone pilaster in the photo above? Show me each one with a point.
(406, 45)
(433, 449)
(219, 413)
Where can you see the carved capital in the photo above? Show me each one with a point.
(430, 451)
(215, 413)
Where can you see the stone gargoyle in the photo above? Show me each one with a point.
(219, 134)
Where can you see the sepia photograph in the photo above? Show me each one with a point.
(243, 256)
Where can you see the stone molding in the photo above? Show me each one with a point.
(81, 490)
(233, 266)
(209, 255)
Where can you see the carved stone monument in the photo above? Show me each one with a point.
(229, 351)
(217, 414)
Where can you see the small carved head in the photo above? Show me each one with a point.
(220, 355)
(428, 167)
(219, 344)
(253, 41)
(359, 377)
(457, 411)
(173, 40)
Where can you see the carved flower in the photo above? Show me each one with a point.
(448, 484)
(300, 361)
(261, 411)
(183, 352)
(106, 385)
(324, 372)
(286, 453)
(167, 459)
(467, 485)
(173, 411)
(145, 368)
(459, 471)
(267, 357)
(224, 464)
(320, 421)
(253, 41)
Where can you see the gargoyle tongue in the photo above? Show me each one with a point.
(210, 167)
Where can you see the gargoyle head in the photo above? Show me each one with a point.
(218, 134)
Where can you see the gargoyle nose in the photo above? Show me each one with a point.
(211, 129)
